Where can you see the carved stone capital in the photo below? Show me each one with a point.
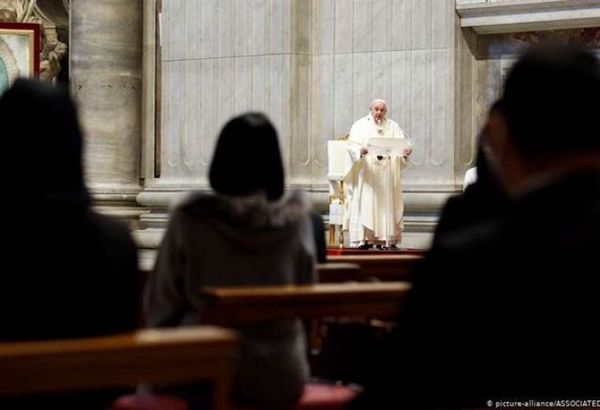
(17, 11)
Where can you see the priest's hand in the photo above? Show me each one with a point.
(407, 151)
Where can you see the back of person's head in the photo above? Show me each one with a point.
(74, 270)
(247, 159)
(44, 143)
(551, 100)
(485, 176)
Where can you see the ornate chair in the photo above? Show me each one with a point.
(339, 164)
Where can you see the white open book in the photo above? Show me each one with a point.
(387, 146)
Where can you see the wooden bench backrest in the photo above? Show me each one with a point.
(253, 304)
(166, 356)
(338, 272)
(387, 268)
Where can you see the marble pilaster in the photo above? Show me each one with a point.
(105, 78)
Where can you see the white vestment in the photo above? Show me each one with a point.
(374, 186)
(470, 177)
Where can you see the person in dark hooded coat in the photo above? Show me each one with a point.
(496, 309)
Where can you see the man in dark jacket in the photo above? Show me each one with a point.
(502, 310)
(68, 271)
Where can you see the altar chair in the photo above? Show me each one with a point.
(339, 164)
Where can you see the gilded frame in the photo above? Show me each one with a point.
(19, 52)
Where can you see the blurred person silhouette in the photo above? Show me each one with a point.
(483, 198)
(71, 272)
(245, 233)
(318, 227)
(501, 311)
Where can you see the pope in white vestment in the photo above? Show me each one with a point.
(375, 182)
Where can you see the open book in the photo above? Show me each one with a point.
(387, 146)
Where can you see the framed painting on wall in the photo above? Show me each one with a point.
(19, 52)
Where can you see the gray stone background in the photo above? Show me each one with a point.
(154, 92)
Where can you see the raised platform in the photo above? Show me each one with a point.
(373, 251)
(374, 264)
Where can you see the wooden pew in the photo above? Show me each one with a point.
(245, 305)
(234, 305)
(331, 272)
(165, 356)
(387, 268)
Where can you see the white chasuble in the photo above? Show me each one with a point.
(374, 186)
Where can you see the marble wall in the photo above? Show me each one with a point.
(313, 66)
(221, 58)
(401, 51)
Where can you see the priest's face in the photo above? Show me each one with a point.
(378, 111)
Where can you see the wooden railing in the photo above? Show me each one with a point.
(173, 356)
(233, 305)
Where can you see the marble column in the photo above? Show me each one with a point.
(106, 64)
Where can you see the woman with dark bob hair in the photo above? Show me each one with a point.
(245, 233)
(247, 159)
